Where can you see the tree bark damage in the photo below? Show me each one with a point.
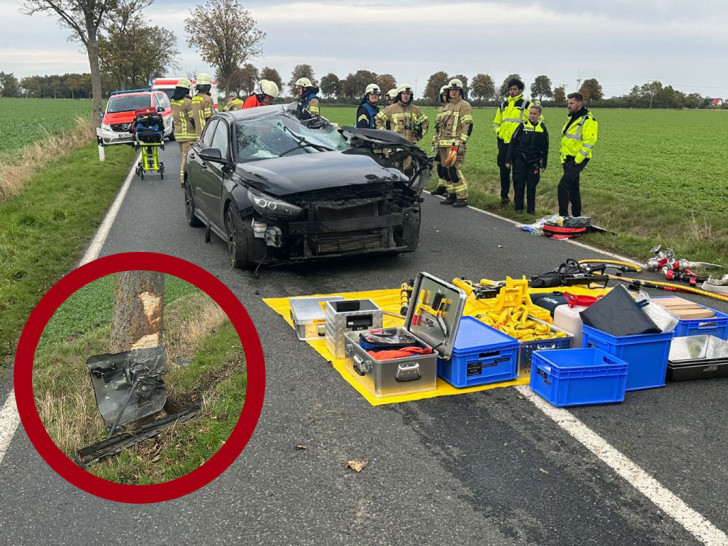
(138, 310)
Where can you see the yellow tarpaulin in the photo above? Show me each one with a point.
(389, 301)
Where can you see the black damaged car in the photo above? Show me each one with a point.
(282, 190)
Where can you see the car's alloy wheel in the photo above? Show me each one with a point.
(237, 238)
(192, 220)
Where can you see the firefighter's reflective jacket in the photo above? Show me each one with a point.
(530, 144)
(579, 136)
(366, 114)
(184, 126)
(308, 105)
(454, 123)
(235, 104)
(510, 114)
(436, 134)
(202, 110)
(408, 121)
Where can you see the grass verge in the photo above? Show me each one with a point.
(196, 331)
(45, 228)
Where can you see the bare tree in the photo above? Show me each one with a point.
(225, 34)
(83, 17)
(138, 310)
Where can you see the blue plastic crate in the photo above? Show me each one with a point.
(480, 355)
(645, 354)
(578, 377)
(716, 326)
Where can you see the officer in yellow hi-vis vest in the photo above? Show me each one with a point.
(404, 118)
(577, 142)
(184, 127)
(455, 126)
(508, 117)
(202, 104)
(441, 182)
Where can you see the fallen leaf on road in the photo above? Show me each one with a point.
(357, 466)
(299, 446)
(544, 471)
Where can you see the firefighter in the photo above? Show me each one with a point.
(235, 103)
(202, 104)
(308, 103)
(368, 108)
(577, 142)
(390, 96)
(456, 125)
(441, 182)
(528, 155)
(184, 125)
(265, 93)
(508, 117)
(404, 118)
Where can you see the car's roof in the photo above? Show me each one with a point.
(258, 112)
(135, 94)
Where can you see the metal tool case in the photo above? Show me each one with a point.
(433, 319)
(308, 316)
(348, 316)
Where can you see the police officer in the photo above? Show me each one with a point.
(508, 117)
(184, 126)
(441, 182)
(404, 118)
(528, 155)
(368, 108)
(456, 125)
(202, 104)
(578, 138)
(265, 93)
(308, 103)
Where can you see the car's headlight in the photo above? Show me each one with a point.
(271, 207)
(105, 127)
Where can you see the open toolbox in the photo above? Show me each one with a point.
(697, 357)
(432, 320)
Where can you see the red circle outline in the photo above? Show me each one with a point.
(146, 261)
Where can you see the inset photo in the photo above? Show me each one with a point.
(139, 377)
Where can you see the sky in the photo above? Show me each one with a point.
(621, 43)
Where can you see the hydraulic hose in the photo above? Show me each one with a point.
(670, 287)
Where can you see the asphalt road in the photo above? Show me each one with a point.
(482, 468)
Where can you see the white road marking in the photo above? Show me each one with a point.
(9, 420)
(672, 505)
(9, 417)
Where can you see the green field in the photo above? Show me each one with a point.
(657, 176)
(23, 121)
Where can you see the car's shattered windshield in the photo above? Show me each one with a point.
(281, 135)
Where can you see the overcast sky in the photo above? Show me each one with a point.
(619, 42)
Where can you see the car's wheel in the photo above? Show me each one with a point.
(171, 137)
(237, 238)
(192, 220)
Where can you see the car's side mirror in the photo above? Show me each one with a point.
(101, 115)
(160, 109)
(211, 154)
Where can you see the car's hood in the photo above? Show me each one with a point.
(315, 171)
(126, 116)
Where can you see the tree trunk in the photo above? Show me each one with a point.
(92, 47)
(138, 310)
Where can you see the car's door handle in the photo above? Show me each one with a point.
(203, 166)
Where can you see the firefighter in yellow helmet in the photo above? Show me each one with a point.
(456, 125)
(404, 118)
(235, 103)
(441, 183)
(202, 104)
(308, 102)
(184, 126)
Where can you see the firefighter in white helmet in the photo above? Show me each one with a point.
(441, 183)
(184, 125)
(455, 126)
(368, 107)
(308, 102)
(390, 96)
(202, 104)
(265, 93)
